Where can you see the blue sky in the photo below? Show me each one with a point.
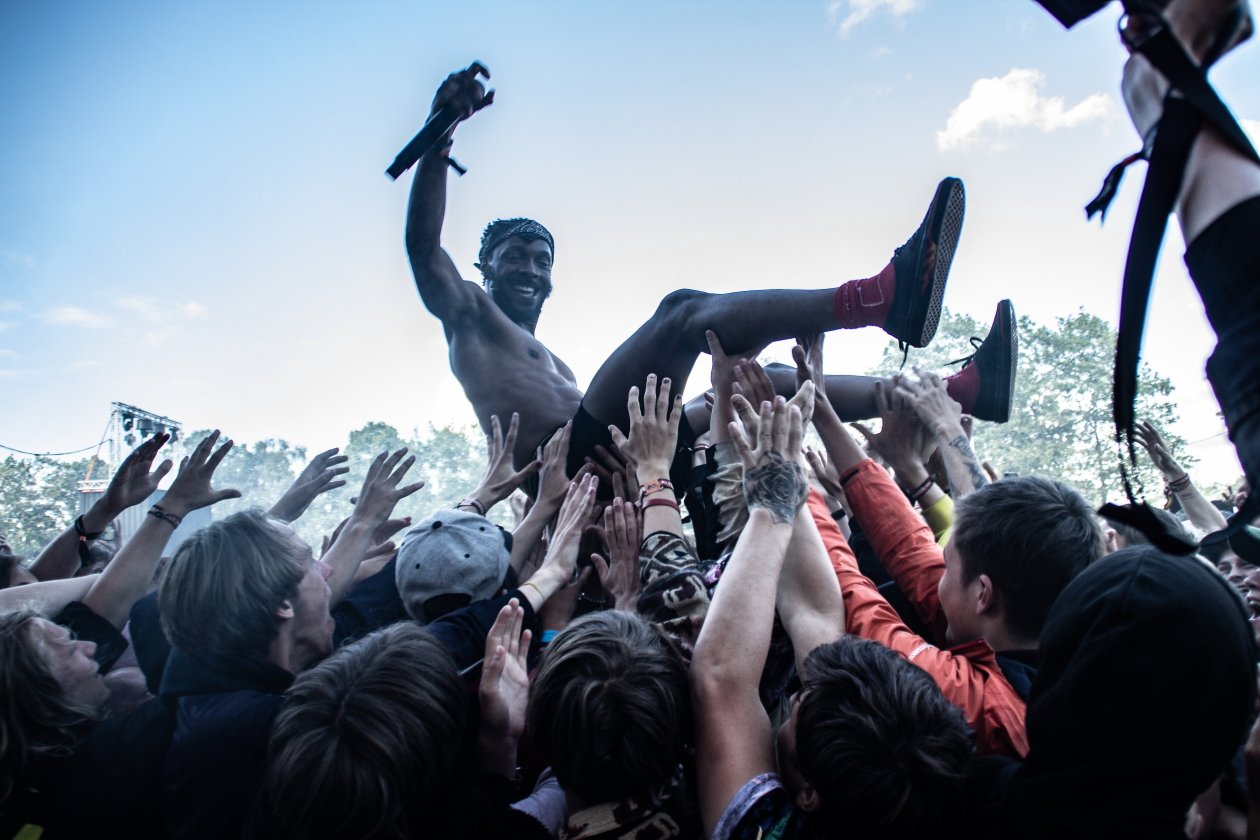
(194, 219)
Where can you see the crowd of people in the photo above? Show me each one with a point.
(698, 626)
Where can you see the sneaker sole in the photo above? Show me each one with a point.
(1007, 364)
(951, 220)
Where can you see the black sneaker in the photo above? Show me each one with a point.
(916, 308)
(994, 363)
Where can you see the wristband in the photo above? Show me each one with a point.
(530, 583)
(547, 636)
(1177, 485)
(85, 536)
(158, 512)
(655, 487)
(920, 491)
(473, 503)
(647, 503)
(83, 532)
(839, 514)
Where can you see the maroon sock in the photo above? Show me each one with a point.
(865, 303)
(964, 387)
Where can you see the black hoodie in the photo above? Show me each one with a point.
(1145, 690)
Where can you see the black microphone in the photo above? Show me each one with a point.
(424, 142)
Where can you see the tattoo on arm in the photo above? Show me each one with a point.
(777, 485)
(963, 446)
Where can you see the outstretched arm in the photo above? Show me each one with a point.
(734, 739)
(443, 291)
(1202, 513)
(940, 413)
(131, 485)
(125, 580)
(809, 601)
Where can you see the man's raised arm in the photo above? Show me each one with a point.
(735, 742)
(443, 291)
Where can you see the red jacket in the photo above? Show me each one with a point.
(968, 674)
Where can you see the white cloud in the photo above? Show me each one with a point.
(1015, 101)
(7, 354)
(16, 258)
(84, 365)
(156, 338)
(156, 312)
(9, 374)
(880, 52)
(4, 325)
(10, 305)
(74, 316)
(861, 10)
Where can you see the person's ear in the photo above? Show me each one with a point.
(284, 612)
(807, 798)
(1111, 541)
(986, 596)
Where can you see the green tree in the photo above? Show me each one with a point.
(262, 471)
(39, 498)
(1061, 424)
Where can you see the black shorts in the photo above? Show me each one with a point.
(1225, 264)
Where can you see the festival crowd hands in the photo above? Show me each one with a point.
(566, 523)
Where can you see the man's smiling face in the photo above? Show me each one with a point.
(518, 277)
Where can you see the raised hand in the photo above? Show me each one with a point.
(1154, 445)
(773, 478)
(575, 514)
(319, 476)
(377, 557)
(553, 481)
(504, 681)
(825, 473)
(133, 482)
(501, 479)
(942, 415)
(464, 92)
(653, 429)
(192, 488)
(381, 490)
(753, 382)
(614, 467)
(929, 397)
(504, 690)
(722, 375)
(902, 440)
(619, 573)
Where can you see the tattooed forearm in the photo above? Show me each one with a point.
(777, 485)
(966, 458)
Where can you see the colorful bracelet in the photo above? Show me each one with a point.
(547, 636)
(655, 487)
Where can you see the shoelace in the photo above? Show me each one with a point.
(976, 341)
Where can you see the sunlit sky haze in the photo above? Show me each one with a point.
(194, 217)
